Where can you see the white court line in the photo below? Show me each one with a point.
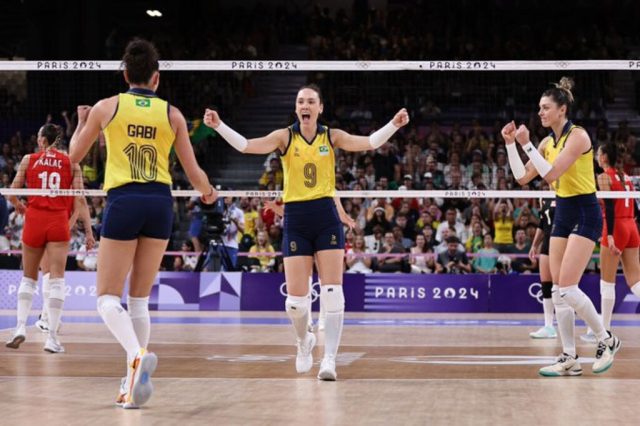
(314, 379)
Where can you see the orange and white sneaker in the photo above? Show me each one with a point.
(137, 388)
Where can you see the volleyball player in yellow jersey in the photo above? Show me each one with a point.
(140, 130)
(311, 222)
(565, 160)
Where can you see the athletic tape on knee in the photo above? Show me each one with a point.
(297, 306)
(27, 286)
(547, 288)
(108, 302)
(607, 290)
(138, 307)
(333, 298)
(56, 288)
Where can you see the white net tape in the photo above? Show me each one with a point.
(341, 194)
(288, 65)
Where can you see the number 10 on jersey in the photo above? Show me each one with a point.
(143, 161)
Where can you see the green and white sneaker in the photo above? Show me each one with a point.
(546, 332)
(566, 365)
(605, 353)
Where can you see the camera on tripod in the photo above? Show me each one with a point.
(214, 224)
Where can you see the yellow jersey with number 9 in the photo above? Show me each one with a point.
(139, 138)
(579, 178)
(309, 166)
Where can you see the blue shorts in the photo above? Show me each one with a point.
(580, 215)
(311, 226)
(138, 209)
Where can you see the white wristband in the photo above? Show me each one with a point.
(234, 138)
(380, 136)
(542, 166)
(517, 167)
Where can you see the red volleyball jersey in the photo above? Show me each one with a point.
(623, 206)
(50, 169)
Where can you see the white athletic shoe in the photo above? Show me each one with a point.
(605, 353)
(18, 338)
(589, 336)
(304, 358)
(42, 324)
(53, 346)
(547, 332)
(137, 388)
(328, 369)
(565, 365)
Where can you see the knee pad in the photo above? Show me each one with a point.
(297, 306)
(138, 307)
(555, 296)
(546, 289)
(27, 286)
(108, 302)
(332, 297)
(56, 288)
(573, 296)
(607, 290)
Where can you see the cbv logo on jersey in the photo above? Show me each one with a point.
(324, 150)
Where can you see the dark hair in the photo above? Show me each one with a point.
(561, 93)
(615, 152)
(52, 133)
(313, 87)
(453, 239)
(140, 60)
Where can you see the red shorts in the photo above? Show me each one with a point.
(625, 234)
(45, 226)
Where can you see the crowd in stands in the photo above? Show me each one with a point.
(443, 147)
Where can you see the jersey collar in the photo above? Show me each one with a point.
(142, 92)
(565, 129)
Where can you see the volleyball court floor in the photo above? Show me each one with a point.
(393, 369)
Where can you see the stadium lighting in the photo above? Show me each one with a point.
(154, 13)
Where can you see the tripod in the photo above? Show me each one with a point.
(215, 251)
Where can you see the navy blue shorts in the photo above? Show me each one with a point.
(311, 226)
(138, 209)
(580, 215)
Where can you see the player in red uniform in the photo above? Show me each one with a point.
(46, 229)
(620, 239)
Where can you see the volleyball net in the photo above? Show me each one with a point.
(455, 106)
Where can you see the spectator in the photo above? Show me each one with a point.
(521, 264)
(452, 261)
(356, 260)
(422, 258)
(486, 259)
(186, 262)
(264, 262)
(390, 247)
(503, 224)
(451, 222)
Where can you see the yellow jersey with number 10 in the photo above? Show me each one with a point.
(579, 178)
(139, 138)
(309, 166)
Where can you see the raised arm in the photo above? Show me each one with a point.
(348, 142)
(277, 139)
(90, 121)
(577, 144)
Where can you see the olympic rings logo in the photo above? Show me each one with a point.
(562, 64)
(536, 294)
(315, 291)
